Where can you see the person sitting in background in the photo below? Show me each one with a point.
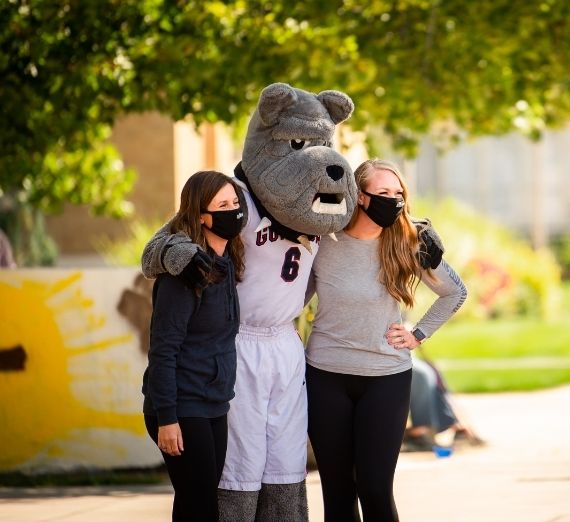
(431, 411)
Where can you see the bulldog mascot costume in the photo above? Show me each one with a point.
(295, 189)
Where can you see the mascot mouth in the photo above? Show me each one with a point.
(329, 204)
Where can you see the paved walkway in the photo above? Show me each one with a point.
(522, 475)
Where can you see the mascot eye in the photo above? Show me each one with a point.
(297, 144)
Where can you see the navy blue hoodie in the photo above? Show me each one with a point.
(192, 359)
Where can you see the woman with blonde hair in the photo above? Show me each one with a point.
(358, 355)
(191, 370)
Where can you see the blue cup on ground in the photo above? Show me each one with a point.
(442, 451)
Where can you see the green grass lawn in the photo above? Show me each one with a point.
(501, 339)
(501, 355)
(490, 380)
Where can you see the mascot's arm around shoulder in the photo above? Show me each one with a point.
(177, 255)
(431, 247)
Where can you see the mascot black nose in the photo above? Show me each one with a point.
(335, 172)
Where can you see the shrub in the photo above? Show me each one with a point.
(561, 247)
(25, 227)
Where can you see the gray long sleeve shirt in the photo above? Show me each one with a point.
(355, 310)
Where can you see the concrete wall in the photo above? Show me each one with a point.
(164, 153)
(146, 142)
(521, 184)
(73, 349)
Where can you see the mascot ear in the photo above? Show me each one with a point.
(338, 104)
(275, 99)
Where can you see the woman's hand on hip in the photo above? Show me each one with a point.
(399, 337)
(170, 439)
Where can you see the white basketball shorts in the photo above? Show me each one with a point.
(267, 421)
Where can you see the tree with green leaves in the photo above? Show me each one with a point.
(448, 68)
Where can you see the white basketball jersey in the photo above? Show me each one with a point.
(276, 274)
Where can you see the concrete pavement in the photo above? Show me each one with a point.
(522, 475)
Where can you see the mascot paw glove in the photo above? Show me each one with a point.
(431, 247)
(196, 274)
(430, 252)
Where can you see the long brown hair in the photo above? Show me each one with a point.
(198, 192)
(400, 271)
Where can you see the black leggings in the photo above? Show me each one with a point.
(356, 425)
(196, 473)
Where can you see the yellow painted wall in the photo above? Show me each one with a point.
(75, 401)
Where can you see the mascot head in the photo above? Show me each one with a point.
(289, 162)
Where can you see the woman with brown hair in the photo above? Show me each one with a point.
(192, 359)
(358, 354)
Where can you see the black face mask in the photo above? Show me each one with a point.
(382, 210)
(226, 223)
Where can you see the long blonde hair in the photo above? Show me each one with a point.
(196, 195)
(400, 270)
